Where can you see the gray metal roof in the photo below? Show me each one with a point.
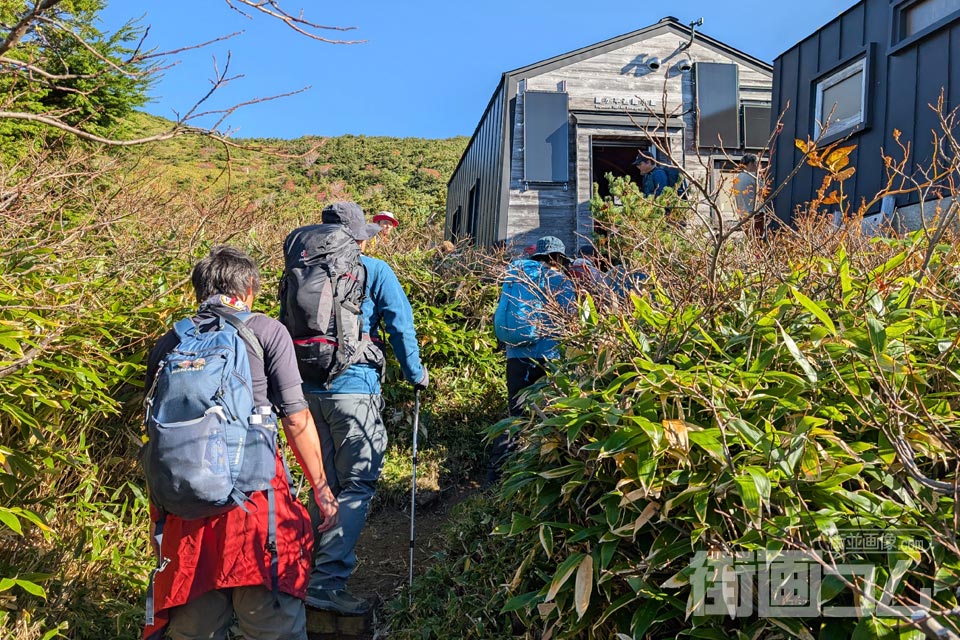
(665, 24)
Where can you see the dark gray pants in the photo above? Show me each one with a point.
(354, 441)
(521, 373)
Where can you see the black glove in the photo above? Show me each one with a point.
(424, 381)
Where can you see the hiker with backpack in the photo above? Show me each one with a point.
(523, 324)
(232, 540)
(654, 178)
(333, 301)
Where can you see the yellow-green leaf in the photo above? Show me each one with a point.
(564, 571)
(12, 522)
(815, 309)
(798, 355)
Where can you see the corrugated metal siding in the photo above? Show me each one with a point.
(480, 167)
(904, 84)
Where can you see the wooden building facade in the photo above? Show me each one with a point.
(554, 128)
(876, 68)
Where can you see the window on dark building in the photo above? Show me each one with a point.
(918, 16)
(455, 224)
(841, 100)
(473, 206)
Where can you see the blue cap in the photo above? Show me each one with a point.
(548, 246)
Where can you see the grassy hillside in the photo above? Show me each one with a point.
(404, 175)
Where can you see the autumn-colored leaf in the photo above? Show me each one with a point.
(806, 146)
(839, 158)
(832, 198)
(813, 160)
(846, 173)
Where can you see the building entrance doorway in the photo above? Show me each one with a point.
(612, 156)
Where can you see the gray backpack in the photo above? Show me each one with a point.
(321, 293)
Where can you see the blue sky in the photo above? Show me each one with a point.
(428, 67)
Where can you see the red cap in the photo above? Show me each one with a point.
(386, 216)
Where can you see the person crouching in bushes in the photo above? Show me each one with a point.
(523, 324)
(585, 274)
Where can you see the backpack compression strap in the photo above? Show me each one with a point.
(162, 562)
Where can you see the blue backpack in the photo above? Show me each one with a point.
(519, 315)
(209, 445)
(675, 180)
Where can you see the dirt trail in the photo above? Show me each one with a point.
(383, 551)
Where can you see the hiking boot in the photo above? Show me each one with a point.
(337, 600)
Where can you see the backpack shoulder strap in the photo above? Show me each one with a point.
(238, 322)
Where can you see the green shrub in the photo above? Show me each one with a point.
(801, 395)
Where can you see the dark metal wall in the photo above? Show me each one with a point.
(480, 169)
(902, 82)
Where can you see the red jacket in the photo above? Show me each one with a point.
(230, 550)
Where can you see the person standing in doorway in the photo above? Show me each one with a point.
(653, 178)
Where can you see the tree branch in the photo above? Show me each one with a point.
(28, 20)
(30, 355)
(298, 23)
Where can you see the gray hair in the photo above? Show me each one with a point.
(226, 271)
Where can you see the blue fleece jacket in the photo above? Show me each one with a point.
(385, 303)
(560, 287)
(654, 182)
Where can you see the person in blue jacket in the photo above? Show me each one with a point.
(542, 274)
(352, 433)
(653, 179)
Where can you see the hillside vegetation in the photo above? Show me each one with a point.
(404, 175)
(96, 253)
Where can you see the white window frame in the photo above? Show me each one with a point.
(841, 126)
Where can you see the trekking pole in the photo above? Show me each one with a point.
(413, 485)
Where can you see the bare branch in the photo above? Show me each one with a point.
(28, 20)
(177, 129)
(33, 69)
(298, 23)
(171, 52)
